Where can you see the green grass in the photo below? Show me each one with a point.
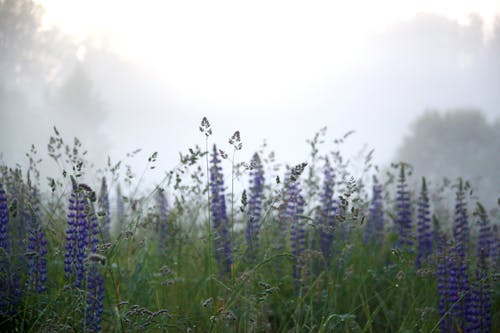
(361, 289)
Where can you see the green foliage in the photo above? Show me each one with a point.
(364, 288)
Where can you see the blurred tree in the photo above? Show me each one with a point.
(456, 143)
(29, 53)
(19, 25)
(43, 82)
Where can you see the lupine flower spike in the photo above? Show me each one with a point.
(288, 207)
(256, 191)
(81, 233)
(9, 280)
(4, 221)
(459, 251)
(461, 226)
(219, 214)
(424, 248)
(479, 307)
(327, 211)
(374, 232)
(443, 282)
(95, 298)
(403, 206)
(76, 237)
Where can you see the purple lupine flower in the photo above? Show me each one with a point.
(326, 219)
(454, 291)
(479, 305)
(219, 215)
(461, 235)
(464, 288)
(95, 299)
(163, 219)
(424, 248)
(103, 205)
(37, 250)
(455, 295)
(4, 221)
(297, 233)
(485, 241)
(443, 282)
(374, 232)
(82, 237)
(288, 207)
(256, 191)
(81, 234)
(461, 226)
(403, 205)
(76, 237)
(10, 292)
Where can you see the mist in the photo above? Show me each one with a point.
(115, 105)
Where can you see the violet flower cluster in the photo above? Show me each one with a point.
(81, 247)
(403, 208)
(222, 241)
(95, 299)
(7, 285)
(374, 232)
(479, 306)
(424, 247)
(76, 238)
(4, 221)
(461, 225)
(443, 283)
(326, 218)
(290, 213)
(256, 191)
(461, 238)
(465, 305)
(10, 291)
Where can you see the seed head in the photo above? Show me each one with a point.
(205, 127)
(235, 140)
(297, 171)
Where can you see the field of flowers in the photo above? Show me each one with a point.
(309, 247)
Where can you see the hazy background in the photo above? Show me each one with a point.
(123, 75)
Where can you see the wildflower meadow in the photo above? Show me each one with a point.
(302, 246)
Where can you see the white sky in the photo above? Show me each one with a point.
(230, 51)
(275, 70)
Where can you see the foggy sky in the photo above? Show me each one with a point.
(429, 62)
